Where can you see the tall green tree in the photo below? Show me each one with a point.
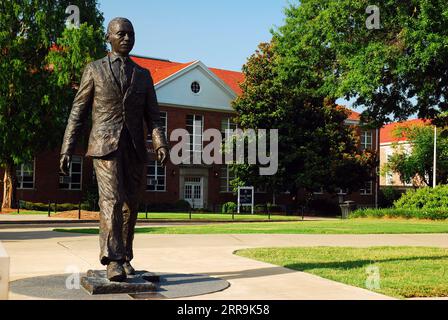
(317, 148)
(414, 162)
(40, 63)
(395, 71)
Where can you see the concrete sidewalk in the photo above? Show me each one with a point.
(39, 252)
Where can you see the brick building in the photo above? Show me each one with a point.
(191, 96)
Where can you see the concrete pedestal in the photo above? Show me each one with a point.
(4, 273)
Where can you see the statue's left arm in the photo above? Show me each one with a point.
(152, 119)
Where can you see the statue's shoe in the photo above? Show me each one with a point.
(116, 272)
(130, 271)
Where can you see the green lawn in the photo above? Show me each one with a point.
(45, 213)
(354, 226)
(404, 272)
(195, 216)
(216, 216)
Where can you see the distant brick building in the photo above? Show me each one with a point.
(387, 142)
(191, 96)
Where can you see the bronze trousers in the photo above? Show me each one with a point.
(119, 177)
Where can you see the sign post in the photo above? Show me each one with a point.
(246, 198)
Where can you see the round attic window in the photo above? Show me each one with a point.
(196, 87)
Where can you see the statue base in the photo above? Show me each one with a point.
(96, 282)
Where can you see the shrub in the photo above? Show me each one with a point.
(431, 214)
(387, 196)
(182, 205)
(325, 207)
(260, 208)
(424, 198)
(229, 208)
(274, 208)
(60, 207)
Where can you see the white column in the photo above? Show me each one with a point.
(4, 274)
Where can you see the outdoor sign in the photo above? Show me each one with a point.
(246, 198)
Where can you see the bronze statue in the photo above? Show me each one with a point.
(121, 95)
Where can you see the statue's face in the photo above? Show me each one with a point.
(122, 37)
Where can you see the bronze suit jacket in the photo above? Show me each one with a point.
(111, 110)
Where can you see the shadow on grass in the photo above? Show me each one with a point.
(355, 264)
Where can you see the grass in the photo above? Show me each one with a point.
(216, 216)
(30, 213)
(404, 272)
(186, 216)
(353, 226)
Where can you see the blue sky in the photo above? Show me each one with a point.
(222, 34)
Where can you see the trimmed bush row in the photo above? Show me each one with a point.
(424, 198)
(431, 214)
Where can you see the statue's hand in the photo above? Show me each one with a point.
(65, 164)
(163, 156)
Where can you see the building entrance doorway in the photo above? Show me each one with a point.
(193, 192)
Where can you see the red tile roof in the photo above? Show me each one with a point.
(354, 116)
(387, 134)
(162, 69)
(231, 78)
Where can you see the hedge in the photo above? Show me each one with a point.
(424, 198)
(431, 214)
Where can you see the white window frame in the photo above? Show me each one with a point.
(20, 176)
(365, 190)
(155, 176)
(227, 178)
(341, 192)
(365, 136)
(196, 143)
(70, 184)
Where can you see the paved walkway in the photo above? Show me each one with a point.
(40, 252)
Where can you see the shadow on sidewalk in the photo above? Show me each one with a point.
(38, 235)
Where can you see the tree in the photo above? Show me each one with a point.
(394, 72)
(40, 63)
(415, 164)
(316, 147)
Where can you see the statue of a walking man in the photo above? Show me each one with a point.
(120, 96)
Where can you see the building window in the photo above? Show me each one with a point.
(226, 177)
(389, 174)
(341, 192)
(25, 176)
(74, 180)
(227, 124)
(195, 87)
(366, 140)
(164, 122)
(367, 190)
(156, 177)
(195, 125)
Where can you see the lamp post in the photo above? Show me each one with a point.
(434, 174)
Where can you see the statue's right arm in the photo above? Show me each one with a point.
(81, 106)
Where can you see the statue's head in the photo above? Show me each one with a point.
(121, 36)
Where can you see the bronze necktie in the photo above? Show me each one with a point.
(124, 79)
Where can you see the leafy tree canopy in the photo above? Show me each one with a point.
(395, 71)
(40, 63)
